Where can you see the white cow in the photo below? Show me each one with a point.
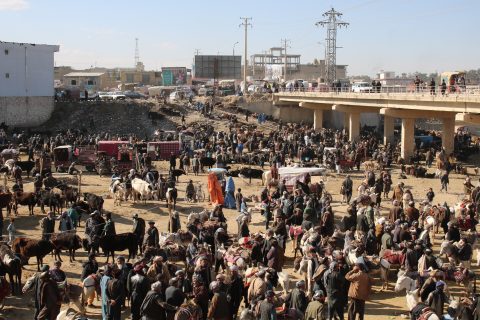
(141, 188)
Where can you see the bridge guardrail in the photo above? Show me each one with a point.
(457, 90)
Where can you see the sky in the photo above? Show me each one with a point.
(394, 35)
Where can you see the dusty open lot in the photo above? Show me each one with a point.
(383, 304)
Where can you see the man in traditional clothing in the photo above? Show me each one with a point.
(103, 289)
(154, 306)
(316, 307)
(152, 238)
(138, 229)
(258, 287)
(34, 284)
(359, 291)
(219, 306)
(158, 271)
(395, 212)
(235, 291)
(437, 298)
(138, 287)
(334, 282)
(50, 298)
(297, 299)
(174, 296)
(266, 308)
(115, 295)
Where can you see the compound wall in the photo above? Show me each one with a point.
(25, 111)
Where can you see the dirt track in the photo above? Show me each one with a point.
(384, 304)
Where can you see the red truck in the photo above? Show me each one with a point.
(121, 151)
(161, 150)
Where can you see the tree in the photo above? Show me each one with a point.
(316, 62)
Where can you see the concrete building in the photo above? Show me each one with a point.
(271, 64)
(26, 83)
(91, 81)
(273, 57)
(389, 79)
(115, 78)
(317, 72)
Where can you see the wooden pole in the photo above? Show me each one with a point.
(170, 217)
(5, 182)
(79, 178)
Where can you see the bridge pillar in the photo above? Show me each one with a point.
(388, 130)
(448, 134)
(346, 121)
(317, 119)
(408, 140)
(354, 125)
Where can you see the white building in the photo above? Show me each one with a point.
(389, 79)
(26, 83)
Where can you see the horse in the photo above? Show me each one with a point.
(391, 260)
(172, 197)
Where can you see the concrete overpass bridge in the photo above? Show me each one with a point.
(407, 106)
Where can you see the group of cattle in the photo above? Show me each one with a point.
(22, 249)
(55, 199)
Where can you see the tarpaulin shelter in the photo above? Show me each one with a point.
(215, 189)
(230, 194)
(292, 174)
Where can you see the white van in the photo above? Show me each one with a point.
(361, 87)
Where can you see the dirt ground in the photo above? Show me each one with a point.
(382, 304)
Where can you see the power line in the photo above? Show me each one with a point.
(245, 24)
(332, 23)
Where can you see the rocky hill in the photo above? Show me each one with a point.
(123, 117)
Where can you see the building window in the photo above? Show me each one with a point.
(6, 51)
(73, 82)
(7, 75)
(90, 83)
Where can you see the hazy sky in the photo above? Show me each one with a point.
(401, 35)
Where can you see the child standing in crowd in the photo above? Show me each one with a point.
(11, 231)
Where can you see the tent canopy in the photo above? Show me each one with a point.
(300, 171)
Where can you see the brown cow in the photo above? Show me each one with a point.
(28, 248)
(6, 202)
(66, 241)
(25, 199)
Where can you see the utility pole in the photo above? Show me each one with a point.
(245, 23)
(285, 45)
(332, 22)
(137, 53)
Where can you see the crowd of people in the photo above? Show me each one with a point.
(337, 265)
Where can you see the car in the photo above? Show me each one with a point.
(206, 91)
(134, 95)
(362, 87)
(91, 95)
(117, 95)
(104, 96)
